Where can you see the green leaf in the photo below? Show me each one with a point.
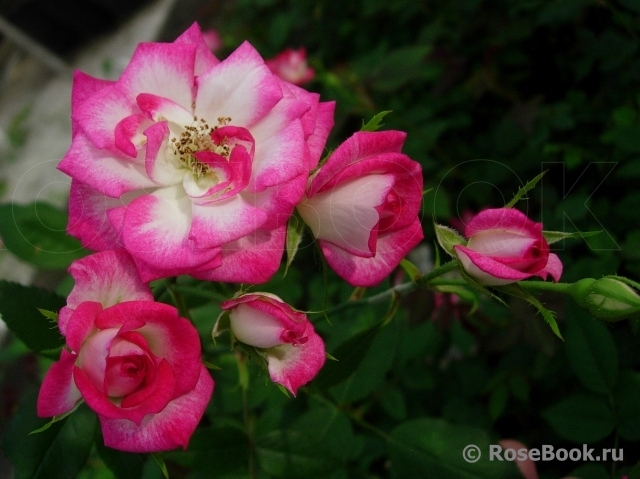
(555, 236)
(581, 418)
(393, 402)
(19, 309)
(448, 238)
(37, 233)
(59, 452)
(291, 454)
(349, 355)
(523, 191)
(626, 396)
(519, 292)
(223, 449)
(590, 350)
(374, 124)
(57, 418)
(498, 401)
(295, 230)
(429, 447)
(160, 462)
(124, 465)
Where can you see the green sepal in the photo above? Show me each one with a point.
(523, 191)
(49, 314)
(448, 238)
(374, 124)
(519, 292)
(411, 269)
(555, 236)
(161, 464)
(295, 231)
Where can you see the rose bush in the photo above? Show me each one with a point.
(504, 247)
(134, 361)
(362, 205)
(291, 65)
(192, 164)
(286, 338)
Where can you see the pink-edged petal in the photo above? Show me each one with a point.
(251, 259)
(358, 147)
(83, 87)
(161, 395)
(280, 158)
(170, 428)
(278, 202)
(108, 277)
(162, 69)
(158, 108)
(215, 224)
(163, 169)
(204, 58)
(102, 171)
(284, 112)
(346, 214)
(323, 125)
(128, 137)
(150, 272)
(508, 219)
(81, 323)
(391, 248)
(553, 268)
(58, 393)
(156, 230)
(294, 366)
(88, 218)
(487, 270)
(167, 335)
(240, 87)
(99, 114)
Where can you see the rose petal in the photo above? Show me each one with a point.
(294, 366)
(391, 248)
(58, 393)
(240, 87)
(487, 270)
(166, 430)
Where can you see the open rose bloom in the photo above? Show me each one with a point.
(134, 361)
(504, 247)
(192, 164)
(286, 338)
(362, 205)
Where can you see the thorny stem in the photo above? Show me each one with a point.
(433, 278)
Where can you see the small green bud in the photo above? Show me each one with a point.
(612, 299)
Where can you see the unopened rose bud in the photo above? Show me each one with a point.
(612, 299)
(609, 298)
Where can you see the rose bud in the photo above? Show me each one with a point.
(284, 336)
(362, 205)
(134, 361)
(504, 247)
(609, 298)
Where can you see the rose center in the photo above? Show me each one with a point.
(125, 374)
(195, 138)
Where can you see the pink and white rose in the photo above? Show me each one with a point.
(362, 205)
(192, 164)
(293, 350)
(134, 361)
(291, 65)
(504, 247)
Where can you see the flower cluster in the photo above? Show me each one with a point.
(188, 165)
